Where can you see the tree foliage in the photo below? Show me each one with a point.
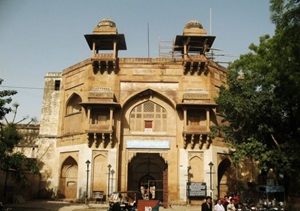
(5, 98)
(261, 103)
(10, 138)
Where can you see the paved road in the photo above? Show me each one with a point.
(67, 206)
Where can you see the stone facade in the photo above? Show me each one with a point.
(141, 122)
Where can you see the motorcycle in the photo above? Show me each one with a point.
(2, 208)
(279, 207)
(274, 207)
(247, 207)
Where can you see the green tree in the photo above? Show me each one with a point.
(9, 138)
(260, 106)
(5, 98)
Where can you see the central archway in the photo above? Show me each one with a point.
(145, 173)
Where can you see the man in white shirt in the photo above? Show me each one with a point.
(219, 206)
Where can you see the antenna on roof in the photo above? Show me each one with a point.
(210, 12)
(148, 40)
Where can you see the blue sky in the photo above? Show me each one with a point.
(40, 36)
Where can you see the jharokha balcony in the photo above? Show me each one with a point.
(196, 135)
(98, 133)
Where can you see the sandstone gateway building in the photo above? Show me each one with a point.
(111, 123)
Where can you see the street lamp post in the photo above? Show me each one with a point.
(112, 179)
(108, 181)
(188, 185)
(87, 182)
(210, 173)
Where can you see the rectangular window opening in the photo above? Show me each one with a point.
(57, 85)
(148, 125)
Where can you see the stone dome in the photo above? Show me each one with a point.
(194, 28)
(106, 26)
(106, 22)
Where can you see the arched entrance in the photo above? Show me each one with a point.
(226, 178)
(145, 173)
(68, 178)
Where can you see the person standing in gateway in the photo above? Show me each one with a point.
(231, 205)
(207, 205)
(219, 206)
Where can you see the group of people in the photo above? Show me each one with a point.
(226, 204)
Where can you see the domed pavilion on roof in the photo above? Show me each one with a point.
(195, 28)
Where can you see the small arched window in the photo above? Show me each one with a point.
(148, 117)
(73, 105)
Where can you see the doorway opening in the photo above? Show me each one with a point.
(145, 173)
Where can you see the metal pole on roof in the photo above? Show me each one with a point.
(148, 40)
(210, 13)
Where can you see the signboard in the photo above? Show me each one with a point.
(148, 144)
(196, 189)
(98, 195)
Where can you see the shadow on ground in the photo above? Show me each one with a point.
(54, 206)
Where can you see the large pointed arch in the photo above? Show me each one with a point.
(148, 93)
(152, 164)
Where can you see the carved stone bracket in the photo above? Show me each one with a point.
(208, 142)
(201, 142)
(194, 139)
(98, 138)
(105, 64)
(194, 66)
(111, 140)
(184, 141)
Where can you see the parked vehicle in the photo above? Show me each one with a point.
(123, 200)
(2, 208)
(272, 197)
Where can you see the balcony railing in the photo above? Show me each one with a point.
(196, 129)
(100, 128)
(106, 56)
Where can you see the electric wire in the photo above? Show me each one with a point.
(20, 87)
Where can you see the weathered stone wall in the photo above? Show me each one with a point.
(12, 191)
(48, 133)
(50, 106)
